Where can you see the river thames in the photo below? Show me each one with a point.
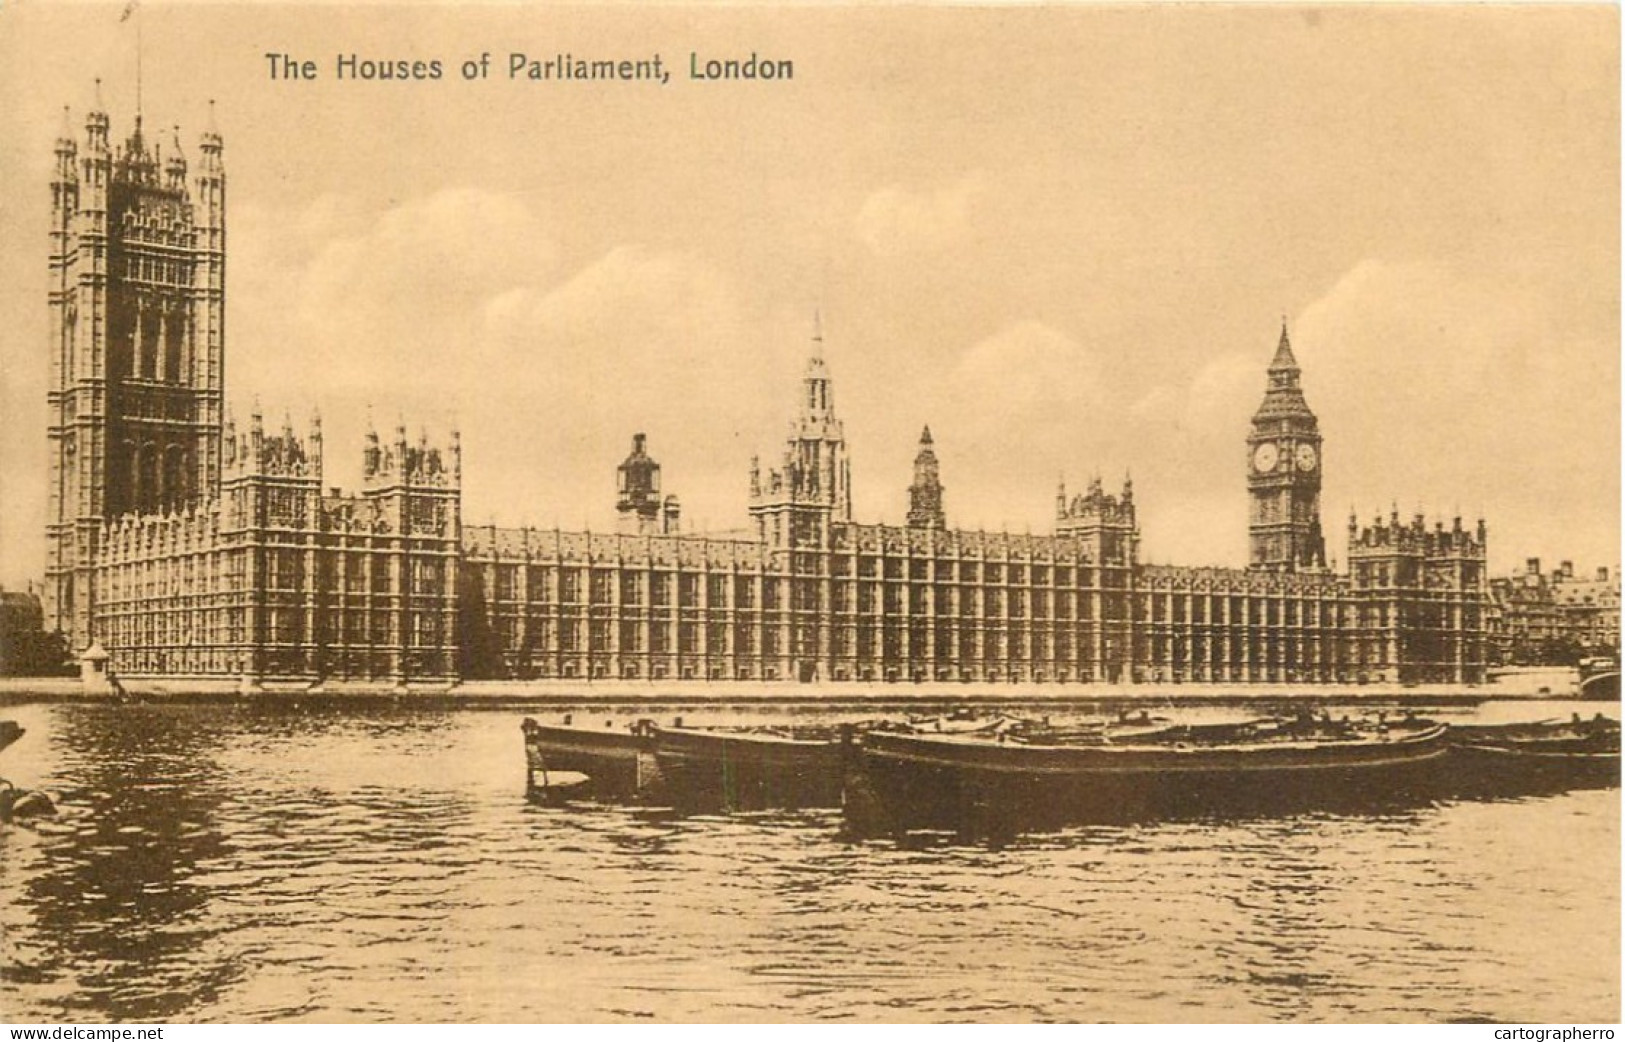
(249, 863)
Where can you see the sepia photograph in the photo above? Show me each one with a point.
(832, 513)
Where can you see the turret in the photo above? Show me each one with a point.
(638, 501)
(1105, 523)
(925, 508)
(175, 168)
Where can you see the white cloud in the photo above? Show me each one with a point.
(454, 308)
(1523, 412)
(1027, 367)
(1218, 396)
(1023, 405)
(897, 221)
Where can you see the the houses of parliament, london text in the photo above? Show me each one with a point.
(183, 544)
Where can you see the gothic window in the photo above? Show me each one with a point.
(147, 350)
(174, 485)
(146, 478)
(172, 349)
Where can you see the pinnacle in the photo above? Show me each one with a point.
(1284, 358)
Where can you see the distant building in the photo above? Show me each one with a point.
(1554, 618)
(187, 547)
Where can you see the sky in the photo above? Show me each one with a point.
(1064, 237)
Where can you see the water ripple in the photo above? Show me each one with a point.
(235, 863)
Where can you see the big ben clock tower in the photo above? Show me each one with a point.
(1283, 473)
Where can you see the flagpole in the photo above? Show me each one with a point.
(132, 8)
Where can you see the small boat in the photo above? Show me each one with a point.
(961, 722)
(1530, 758)
(948, 779)
(10, 731)
(752, 768)
(570, 761)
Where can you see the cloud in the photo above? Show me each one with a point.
(1521, 403)
(896, 222)
(456, 308)
(1218, 396)
(1028, 366)
(1023, 405)
(380, 303)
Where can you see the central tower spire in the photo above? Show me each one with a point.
(812, 487)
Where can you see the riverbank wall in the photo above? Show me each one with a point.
(1521, 684)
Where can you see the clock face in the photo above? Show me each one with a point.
(1265, 457)
(1306, 457)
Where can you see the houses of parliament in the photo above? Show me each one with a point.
(181, 544)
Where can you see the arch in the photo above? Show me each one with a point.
(174, 329)
(145, 491)
(147, 349)
(121, 477)
(174, 490)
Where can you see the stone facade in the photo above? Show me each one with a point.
(187, 548)
(1554, 617)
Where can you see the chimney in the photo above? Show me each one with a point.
(1567, 570)
(1602, 575)
(1533, 566)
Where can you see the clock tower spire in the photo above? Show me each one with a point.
(1283, 473)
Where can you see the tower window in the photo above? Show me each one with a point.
(172, 351)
